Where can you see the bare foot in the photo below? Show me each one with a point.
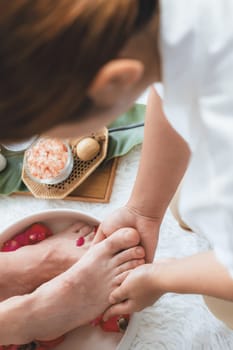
(63, 249)
(39, 263)
(63, 244)
(81, 294)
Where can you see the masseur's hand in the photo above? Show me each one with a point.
(195, 274)
(147, 228)
(142, 288)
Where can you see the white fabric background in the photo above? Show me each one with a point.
(198, 101)
(176, 322)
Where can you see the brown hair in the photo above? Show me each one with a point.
(50, 51)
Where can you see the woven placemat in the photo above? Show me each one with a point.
(81, 171)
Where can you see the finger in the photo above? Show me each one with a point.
(118, 295)
(118, 309)
(120, 278)
(129, 265)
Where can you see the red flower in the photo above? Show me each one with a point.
(32, 235)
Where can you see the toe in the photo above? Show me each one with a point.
(129, 265)
(129, 254)
(85, 230)
(74, 228)
(77, 226)
(121, 240)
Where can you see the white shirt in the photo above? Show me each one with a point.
(197, 56)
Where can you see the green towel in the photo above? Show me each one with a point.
(129, 134)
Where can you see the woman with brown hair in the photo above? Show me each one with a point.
(47, 62)
(50, 53)
(69, 67)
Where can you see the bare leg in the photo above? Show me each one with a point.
(31, 266)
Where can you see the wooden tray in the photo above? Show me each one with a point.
(97, 188)
(80, 171)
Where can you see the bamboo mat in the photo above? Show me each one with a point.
(97, 188)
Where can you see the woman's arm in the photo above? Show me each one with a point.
(198, 274)
(165, 156)
(164, 160)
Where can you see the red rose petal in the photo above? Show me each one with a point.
(80, 242)
(96, 322)
(111, 325)
(33, 238)
(10, 246)
(33, 234)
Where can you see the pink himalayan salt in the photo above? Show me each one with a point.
(47, 158)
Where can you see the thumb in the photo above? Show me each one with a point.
(117, 310)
